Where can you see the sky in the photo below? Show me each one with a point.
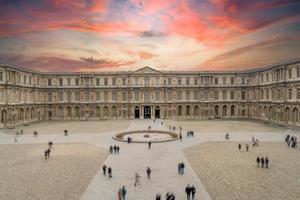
(121, 35)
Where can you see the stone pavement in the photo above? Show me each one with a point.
(162, 158)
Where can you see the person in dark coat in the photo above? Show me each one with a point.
(109, 171)
(115, 149)
(240, 146)
(188, 192)
(247, 147)
(193, 191)
(267, 162)
(148, 173)
(262, 160)
(123, 192)
(158, 197)
(180, 137)
(149, 145)
(104, 170)
(257, 161)
(118, 149)
(111, 149)
(182, 168)
(48, 153)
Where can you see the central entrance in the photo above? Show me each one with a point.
(147, 112)
(137, 112)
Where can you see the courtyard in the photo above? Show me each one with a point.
(214, 165)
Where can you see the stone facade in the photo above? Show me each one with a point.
(270, 93)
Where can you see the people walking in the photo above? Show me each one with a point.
(240, 146)
(148, 173)
(111, 149)
(262, 160)
(188, 192)
(104, 170)
(158, 197)
(109, 171)
(267, 162)
(247, 147)
(180, 137)
(118, 149)
(137, 179)
(123, 192)
(182, 168)
(193, 191)
(257, 161)
(120, 194)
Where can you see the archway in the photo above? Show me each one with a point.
(216, 110)
(157, 112)
(147, 112)
(3, 116)
(136, 112)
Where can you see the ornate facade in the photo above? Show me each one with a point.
(270, 93)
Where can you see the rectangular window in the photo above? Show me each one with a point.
(157, 96)
(243, 95)
(98, 96)
(179, 81)
(114, 81)
(77, 81)
(69, 81)
(232, 95)
(69, 96)
(124, 81)
(298, 93)
(60, 82)
(49, 82)
(224, 80)
(77, 96)
(169, 81)
(187, 95)
(216, 95)
(123, 96)
(232, 81)
(1, 76)
(136, 96)
(224, 95)
(298, 72)
(195, 81)
(114, 96)
(98, 81)
(187, 81)
(60, 96)
(290, 94)
(216, 80)
(105, 82)
(87, 96)
(105, 96)
(290, 74)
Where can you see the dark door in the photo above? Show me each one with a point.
(157, 113)
(147, 112)
(137, 113)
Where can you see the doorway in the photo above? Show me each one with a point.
(157, 112)
(136, 113)
(147, 112)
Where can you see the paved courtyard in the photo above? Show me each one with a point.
(162, 158)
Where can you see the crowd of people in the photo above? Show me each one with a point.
(291, 141)
(190, 134)
(263, 162)
(114, 149)
(107, 170)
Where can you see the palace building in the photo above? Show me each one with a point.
(271, 93)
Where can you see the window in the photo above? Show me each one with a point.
(77, 96)
(49, 81)
(87, 96)
(187, 81)
(216, 95)
(179, 95)
(224, 95)
(290, 73)
(298, 93)
(232, 81)
(124, 81)
(187, 95)
(124, 96)
(146, 81)
(298, 72)
(60, 96)
(157, 96)
(105, 96)
(216, 80)
(69, 96)
(169, 81)
(49, 97)
(224, 80)
(77, 81)
(136, 96)
(195, 81)
(98, 96)
(243, 80)
(179, 81)
(1, 76)
(232, 95)
(243, 95)
(60, 82)
(98, 81)
(290, 93)
(169, 95)
(69, 81)
(114, 81)
(105, 82)
(114, 96)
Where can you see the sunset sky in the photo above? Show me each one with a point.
(110, 35)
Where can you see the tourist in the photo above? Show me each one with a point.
(168, 195)
(118, 149)
(123, 192)
(120, 194)
(111, 149)
(104, 170)
(257, 161)
(172, 196)
(46, 154)
(109, 171)
(137, 179)
(128, 140)
(158, 197)
(267, 162)
(227, 136)
(149, 145)
(188, 192)
(115, 149)
(247, 147)
(180, 137)
(50, 144)
(240, 146)
(35, 134)
(148, 173)
(193, 190)
(66, 132)
(262, 160)
(182, 168)
(179, 168)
